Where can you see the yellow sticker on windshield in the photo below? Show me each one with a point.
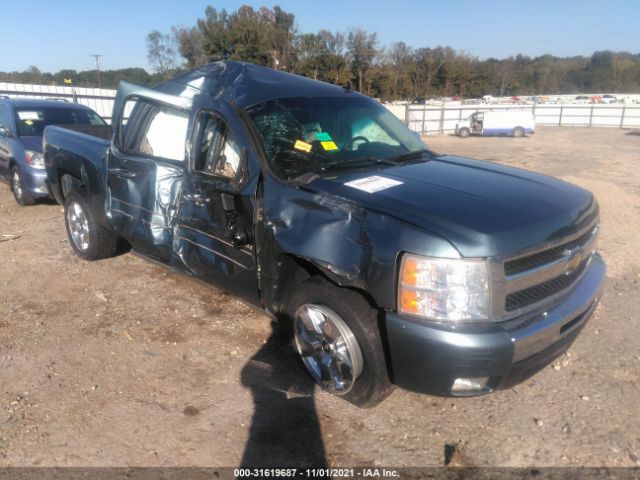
(329, 145)
(304, 146)
(28, 122)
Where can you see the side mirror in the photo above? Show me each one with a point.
(5, 131)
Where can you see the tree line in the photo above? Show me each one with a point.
(268, 36)
(86, 78)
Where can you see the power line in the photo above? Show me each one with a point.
(97, 57)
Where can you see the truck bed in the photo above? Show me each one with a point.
(77, 154)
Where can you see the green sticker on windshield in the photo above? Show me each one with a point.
(323, 137)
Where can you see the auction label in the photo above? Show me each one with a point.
(29, 115)
(304, 146)
(373, 184)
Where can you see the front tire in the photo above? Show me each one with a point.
(337, 336)
(89, 239)
(464, 133)
(17, 187)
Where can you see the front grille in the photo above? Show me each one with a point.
(522, 264)
(528, 296)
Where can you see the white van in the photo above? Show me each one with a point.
(516, 123)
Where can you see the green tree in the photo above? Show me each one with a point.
(361, 50)
(162, 53)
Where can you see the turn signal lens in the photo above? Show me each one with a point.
(35, 159)
(410, 301)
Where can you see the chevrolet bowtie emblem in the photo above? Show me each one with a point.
(574, 259)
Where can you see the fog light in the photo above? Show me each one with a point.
(466, 384)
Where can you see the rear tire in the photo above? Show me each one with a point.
(464, 132)
(89, 239)
(337, 336)
(17, 187)
(518, 132)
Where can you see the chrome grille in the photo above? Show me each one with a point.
(536, 278)
(528, 262)
(528, 296)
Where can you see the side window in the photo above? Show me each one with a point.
(154, 130)
(219, 153)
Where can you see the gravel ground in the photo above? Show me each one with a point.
(123, 363)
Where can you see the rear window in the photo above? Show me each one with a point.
(30, 122)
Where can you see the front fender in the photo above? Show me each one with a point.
(352, 246)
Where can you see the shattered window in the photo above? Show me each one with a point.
(219, 152)
(317, 135)
(155, 130)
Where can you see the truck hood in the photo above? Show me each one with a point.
(483, 209)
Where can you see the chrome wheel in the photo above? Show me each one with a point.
(17, 184)
(328, 348)
(78, 225)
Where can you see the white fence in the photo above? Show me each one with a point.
(429, 120)
(425, 119)
(98, 99)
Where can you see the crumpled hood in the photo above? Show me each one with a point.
(32, 143)
(482, 208)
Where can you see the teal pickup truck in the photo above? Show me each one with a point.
(393, 264)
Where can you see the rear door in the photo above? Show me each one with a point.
(215, 236)
(145, 168)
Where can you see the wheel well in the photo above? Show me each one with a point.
(68, 182)
(293, 270)
(12, 163)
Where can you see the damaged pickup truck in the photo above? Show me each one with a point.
(395, 265)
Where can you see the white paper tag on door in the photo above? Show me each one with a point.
(373, 184)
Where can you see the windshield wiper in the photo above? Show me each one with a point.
(416, 154)
(354, 161)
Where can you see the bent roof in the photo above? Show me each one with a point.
(247, 84)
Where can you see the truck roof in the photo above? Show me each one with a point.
(246, 84)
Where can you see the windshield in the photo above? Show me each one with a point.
(303, 135)
(31, 121)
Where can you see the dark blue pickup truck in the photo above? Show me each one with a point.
(394, 264)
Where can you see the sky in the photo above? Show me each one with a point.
(60, 34)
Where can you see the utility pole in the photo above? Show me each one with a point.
(97, 57)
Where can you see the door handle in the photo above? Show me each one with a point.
(198, 198)
(122, 172)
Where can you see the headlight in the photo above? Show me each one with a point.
(444, 289)
(35, 159)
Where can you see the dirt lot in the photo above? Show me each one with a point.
(121, 362)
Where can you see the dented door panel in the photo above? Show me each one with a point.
(214, 235)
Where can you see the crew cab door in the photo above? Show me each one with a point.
(146, 166)
(215, 235)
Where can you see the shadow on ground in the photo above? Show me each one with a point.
(284, 429)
